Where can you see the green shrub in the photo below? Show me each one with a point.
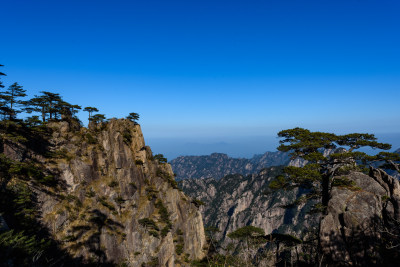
(151, 192)
(179, 249)
(159, 173)
(154, 233)
(20, 248)
(106, 204)
(197, 202)
(160, 158)
(120, 200)
(179, 232)
(153, 262)
(167, 177)
(165, 231)
(127, 137)
(149, 223)
(163, 211)
(90, 139)
(113, 184)
(344, 182)
(90, 193)
(71, 198)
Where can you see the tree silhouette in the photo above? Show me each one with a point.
(47, 103)
(90, 110)
(11, 99)
(3, 107)
(133, 117)
(97, 118)
(2, 74)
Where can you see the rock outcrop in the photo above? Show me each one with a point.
(361, 220)
(114, 202)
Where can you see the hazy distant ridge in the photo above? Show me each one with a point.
(217, 165)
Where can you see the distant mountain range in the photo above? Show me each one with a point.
(217, 165)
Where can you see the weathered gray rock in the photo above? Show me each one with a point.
(351, 231)
(236, 200)
(108, 182)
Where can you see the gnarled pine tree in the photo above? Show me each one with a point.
(323, 159)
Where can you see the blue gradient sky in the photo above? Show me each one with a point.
(223, 75)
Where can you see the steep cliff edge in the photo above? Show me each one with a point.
(114, 203)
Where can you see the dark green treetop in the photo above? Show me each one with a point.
(48, 104)
(2, 74)
(11, 99)
(52, 100)
(32, 121)
(66, 110)
(3, 107)
(249, 235)
(37, 104)
(245, 232)
(97, 118)
(133, 116)
(160, 158)
(90, 110)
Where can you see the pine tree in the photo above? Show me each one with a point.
(65, 109)
(2, 74)
(90, 110)
(37, 104)
(97, 118)
(11, 98)
(3, 107)
(317, 175)
(47, 103)
(133, 117)
(52, 100)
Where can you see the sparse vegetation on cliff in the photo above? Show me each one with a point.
(68, 193)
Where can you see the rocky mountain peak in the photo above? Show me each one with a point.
(113, 202)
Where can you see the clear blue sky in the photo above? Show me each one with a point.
(206, 72)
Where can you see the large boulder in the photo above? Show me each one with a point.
(352, 233)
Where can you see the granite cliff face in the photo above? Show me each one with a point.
(217, 165)
(236, 201)
(360, 226)
(362, 221)
(115, 203)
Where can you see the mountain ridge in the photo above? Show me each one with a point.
(217, 165)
